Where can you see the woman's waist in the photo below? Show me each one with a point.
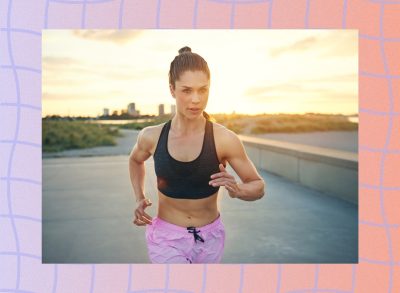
(186, 213)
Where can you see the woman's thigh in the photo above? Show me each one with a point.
(212, 249)
(165, 246)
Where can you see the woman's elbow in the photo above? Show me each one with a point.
(261, 190)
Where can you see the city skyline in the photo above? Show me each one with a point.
(284, 71)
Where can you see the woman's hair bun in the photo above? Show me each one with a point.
(184, 50)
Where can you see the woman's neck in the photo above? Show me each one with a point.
(183, 125)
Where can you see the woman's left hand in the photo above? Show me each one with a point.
(223, 178)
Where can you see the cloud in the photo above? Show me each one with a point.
(333, 44)
(254, 91)
(334, 79)
(306, 85)
(78, 96)
(54, 62)
(302, 90)
(301, 45)
(115, 36)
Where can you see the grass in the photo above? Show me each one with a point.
(141, 125)
(64, 135)
(285, 123)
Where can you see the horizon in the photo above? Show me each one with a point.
(243, 114)
(292, 71)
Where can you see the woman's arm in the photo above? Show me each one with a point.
(139, 154)
(252, 186)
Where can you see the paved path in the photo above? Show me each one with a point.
(88, 205)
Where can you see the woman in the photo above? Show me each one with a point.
(190, 154)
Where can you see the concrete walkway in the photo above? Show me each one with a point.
(88, 205)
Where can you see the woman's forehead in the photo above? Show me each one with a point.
(193, 79)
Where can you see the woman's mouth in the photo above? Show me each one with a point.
(195, 110)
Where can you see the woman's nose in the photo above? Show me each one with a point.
(195, 98)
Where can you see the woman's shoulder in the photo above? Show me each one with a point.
(223, 134)
(152, 131)
(150, 134)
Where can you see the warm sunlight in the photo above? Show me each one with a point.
(252, 71)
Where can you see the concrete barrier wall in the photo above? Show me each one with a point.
(330, 171)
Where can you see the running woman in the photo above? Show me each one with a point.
(190, 155)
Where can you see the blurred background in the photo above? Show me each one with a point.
(284, 81)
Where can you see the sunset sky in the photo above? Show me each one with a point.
(252, 71)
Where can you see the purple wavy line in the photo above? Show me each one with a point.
(22, 68)
(375, 150)
(378, 187)
(232, 17)
(241, 279)
(306, 16)
(388, 134)
(204, 282)
(363, 222)
(378, 38)
(46, 14)
(166, 278)
(129, 278)
(195, 12)
(318, 290)
(121, 12)
(378, 75)
(83, 15)
(21, 106)
(378, 262)
(384, 2)
(21, 217)
(15, 291)
(20, 30)
(161, 291)
(93, 275)
(353, 277)
(81, 1)
(374, 112)
(25, 180)
(28, 255)
(279, 275)
(240, 1)
(269, 22)
(344, 16)
(158, 14)
(14, 229)
(22, 143)
(316, 278)
(55, 279)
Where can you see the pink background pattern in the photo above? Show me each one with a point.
(21, 24)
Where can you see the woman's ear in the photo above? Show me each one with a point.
(172, 91)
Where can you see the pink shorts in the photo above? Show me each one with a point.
(169, 243)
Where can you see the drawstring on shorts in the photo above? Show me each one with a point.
(194, 232)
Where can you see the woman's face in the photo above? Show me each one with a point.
(191, 93)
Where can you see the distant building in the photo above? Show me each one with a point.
(106, 112)
(173, 109)
(132, 110)
(161, 110)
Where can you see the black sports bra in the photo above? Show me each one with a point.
(186, 180)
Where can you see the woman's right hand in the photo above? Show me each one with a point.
(142, 218)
